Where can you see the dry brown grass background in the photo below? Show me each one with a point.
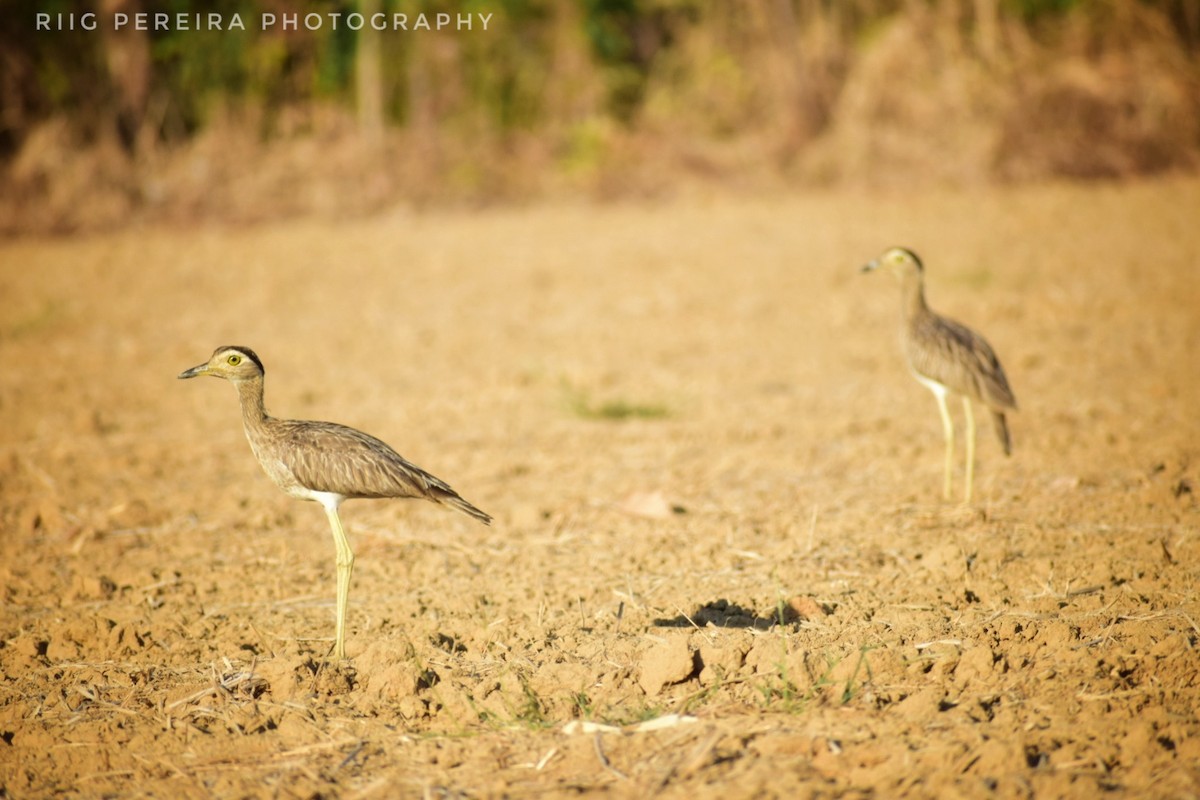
(689, 418)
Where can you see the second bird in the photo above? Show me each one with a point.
(948, 358)
(324, 462)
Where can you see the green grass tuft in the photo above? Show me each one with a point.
(613, 410)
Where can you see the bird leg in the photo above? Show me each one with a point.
(345, 567)
(970, 445)
(948, 431)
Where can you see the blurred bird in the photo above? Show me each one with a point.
(948, 358)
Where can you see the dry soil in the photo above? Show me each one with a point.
(721, 565)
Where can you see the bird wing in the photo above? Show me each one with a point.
(959, 358)
(327, 457)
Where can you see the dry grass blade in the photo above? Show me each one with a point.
(598, 745)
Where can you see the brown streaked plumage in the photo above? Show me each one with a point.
(948, 358)
(324, 462)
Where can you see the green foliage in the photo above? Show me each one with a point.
(1030, 10)
(608, 24)
(633, 713)
(780, 691)
(531, 711)
(582, 705)
(850, 686)
(199, 69)
(585, 147)
(627, 38)
(504, 72)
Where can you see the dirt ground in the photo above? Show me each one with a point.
(691, 421)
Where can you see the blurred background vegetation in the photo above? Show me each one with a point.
(590, 99)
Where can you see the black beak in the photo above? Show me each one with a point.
(199, 369)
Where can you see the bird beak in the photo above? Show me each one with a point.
(199, 369)
(870, 266)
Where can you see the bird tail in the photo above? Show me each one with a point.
(1001, 425)
(452, 499)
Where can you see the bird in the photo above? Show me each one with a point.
(948, 358)
(324, 462)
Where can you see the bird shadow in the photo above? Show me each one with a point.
(722, 614)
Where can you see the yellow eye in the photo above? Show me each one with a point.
(233, 360)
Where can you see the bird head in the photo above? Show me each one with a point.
(899, 261)
(234, 364)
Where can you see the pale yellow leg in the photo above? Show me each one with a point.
(345, 567)
(948, 431)
(970, 446)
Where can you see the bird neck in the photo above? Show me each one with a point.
(254, 413)
(912, 295)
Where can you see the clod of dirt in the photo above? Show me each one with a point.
(974, 665)
(922, 705)
(719, 663)
(561, 679)
(280, 675)
(92, 587)
(331, 679)
(802, 607)
(28, 651)
(44, 516)
(398, 681)
(651, 505)
(289, 680)
(667, 663)
(392, 672)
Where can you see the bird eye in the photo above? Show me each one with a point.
(234, 360)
